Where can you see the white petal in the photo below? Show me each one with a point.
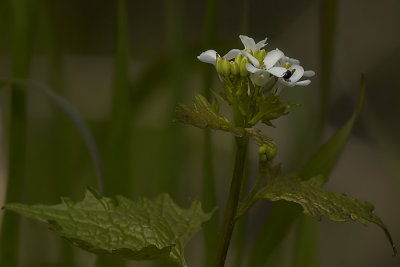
(297, 74)
(277, 71)
(272, 57)
(260, 78)
(252, 59)
(294, 61)
(261, 44)
(309, 73)
(284, 59)
(250, 68)
(209, 56)
(248, 42)
(232, 54)
(287, 83)
(303, 83)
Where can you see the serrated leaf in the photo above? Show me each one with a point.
(322, 162)
(141, 230)
(272, 108)
(204, 115)
(318, 202)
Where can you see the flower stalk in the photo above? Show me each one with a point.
(228, 223)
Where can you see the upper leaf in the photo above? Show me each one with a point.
(204, 115)
(272, 108)
(142, 230)
(318, 202)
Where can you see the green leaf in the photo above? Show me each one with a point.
(272, 108)
(141, 230)
(318, 202)
(322, 162)
(205, 115)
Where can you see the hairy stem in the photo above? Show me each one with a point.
(228, 222)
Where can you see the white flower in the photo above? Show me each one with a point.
(260, 76)
(288, 70)
(250, 44)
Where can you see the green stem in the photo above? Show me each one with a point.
(228, 222)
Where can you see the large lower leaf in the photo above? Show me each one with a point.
(318, 202)
(142, 230)
(205, 115)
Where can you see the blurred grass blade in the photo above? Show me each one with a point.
(64, 142)
(118, 178)
(174, 140)
(277, 225)
(307, 256)
(209, 196)
(75, 117)
(325, 159)
(24, 18)
(328, 22)
(117, 163)
(305, 247)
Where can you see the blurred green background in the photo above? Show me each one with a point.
(124, 65)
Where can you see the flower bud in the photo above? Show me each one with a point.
(271, 152)
(234, 68)
(238, 59)
(267, 152)
(263, 53)
(242, 68)
(223, 66)
(262, 149)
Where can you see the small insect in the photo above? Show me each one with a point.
(287, 74)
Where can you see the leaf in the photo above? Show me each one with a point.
(322, 162)
(318, 202)
(272, 108)
(204, 115)
(142, 230)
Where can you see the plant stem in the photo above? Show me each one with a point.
(228, 222)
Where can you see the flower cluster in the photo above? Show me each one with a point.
(258, 64)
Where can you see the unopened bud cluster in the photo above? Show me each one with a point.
(233, 68)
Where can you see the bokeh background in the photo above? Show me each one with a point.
(124, 65)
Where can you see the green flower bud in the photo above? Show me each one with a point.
(263, 53)
(226, 67)
(271, 152)
(234, 68)
(249, 51)
(219, 65)
(242, 69)
(223, 67)
(267, 152)
(262, 150)
(238, 59)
